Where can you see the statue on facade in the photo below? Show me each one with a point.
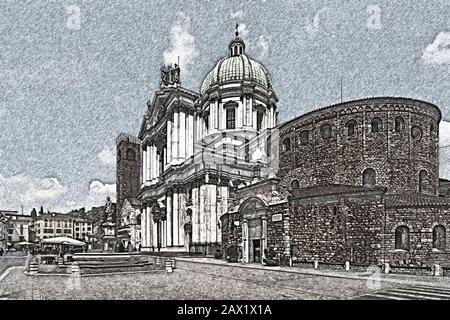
(164, 76)
(176, 78)
(108, 209)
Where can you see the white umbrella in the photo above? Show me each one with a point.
(63, 240)
(23, 243)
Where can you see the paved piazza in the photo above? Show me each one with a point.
(202, 281)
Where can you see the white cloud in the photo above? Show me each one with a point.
(108, 155)
(29, 192)
(181, 44)
(438, 52)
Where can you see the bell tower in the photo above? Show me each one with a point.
(128, 169)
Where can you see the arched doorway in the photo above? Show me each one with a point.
(254, 229)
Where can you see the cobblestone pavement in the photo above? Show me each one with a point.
(198, 281)
(10, 260)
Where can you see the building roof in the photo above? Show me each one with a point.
(134, 202)
(415, 200)
(331, 189)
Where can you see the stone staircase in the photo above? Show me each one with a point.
(92, 263)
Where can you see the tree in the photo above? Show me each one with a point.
(41, 211)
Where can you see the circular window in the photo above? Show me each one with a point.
(416, 133)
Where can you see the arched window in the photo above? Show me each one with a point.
(399, 124)
(422, 179)
(304, 137)
(269, 146)
(416, 132)
(402, 238)
(231, 118)
(131, 155)
(138, 219)
(439, 237)
(431, 128)
(259, 120)
(369, 177)
(287, 144)
(326, 131)
(376, 125)
(295, 184)
(351, 126)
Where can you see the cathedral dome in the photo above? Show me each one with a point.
(237, 67)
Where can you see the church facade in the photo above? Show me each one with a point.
(354, 182)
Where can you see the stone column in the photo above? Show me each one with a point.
(169, 220)
(175, 138)
(223, 210)
(190, 136)
(195, 216)
(163, 234)
(149, 227)
(181, 216)
(149, 164)
(157, 163)
(176, 209)
(144, 166)
(143, 228)
(182, 137)
(263, 234)
(245, 252)
(213, 213)
(155, 234)
(201, 213)
(169, 142)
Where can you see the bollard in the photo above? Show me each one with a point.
(173, 263)
(60, 262)
(387, 268)
(34, 267)
(169, 265)
(158, 261)
(316, 264)
(75, 269)
(437, 270)
(347, 265)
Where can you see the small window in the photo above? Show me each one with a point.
(422, 180)
(439, 238)
(369, 177)
(399, 124)
(304, 137)
(287, 144)
(351, 127)
(326, 131)
(231, 118)
(402, 238)
(431, 129)
(259, 120)
(376, 125)
(131, 155)
(416, 132)
(295, 184)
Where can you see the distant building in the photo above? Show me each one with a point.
(50, 225)
(3, 231)
(18, 226)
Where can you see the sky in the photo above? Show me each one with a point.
(75, 74)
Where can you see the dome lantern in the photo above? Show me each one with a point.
(237, 45)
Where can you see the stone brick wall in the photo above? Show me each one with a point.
(396, 157)
(335, 229)
(128, 170)
(420, 221)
